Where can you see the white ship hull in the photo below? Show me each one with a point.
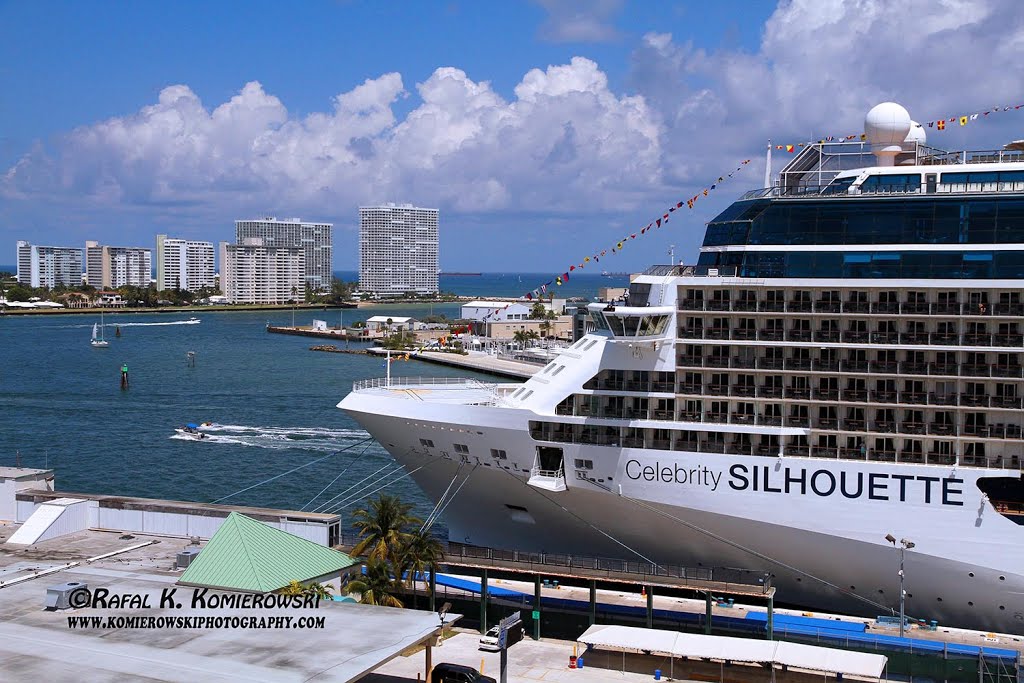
(839, 380)
(971, 577)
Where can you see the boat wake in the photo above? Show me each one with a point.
(194, 321)
(316, 439)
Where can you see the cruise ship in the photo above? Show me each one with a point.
(836, 382)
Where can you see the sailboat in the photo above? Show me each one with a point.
(97, 335)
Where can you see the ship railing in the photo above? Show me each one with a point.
(693, 271)
(455, 382)
(818, 191)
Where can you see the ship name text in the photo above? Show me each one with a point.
(802, 481)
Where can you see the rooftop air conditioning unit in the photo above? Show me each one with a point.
(185, 557)
(60, 596)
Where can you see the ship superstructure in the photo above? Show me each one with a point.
(844, 362)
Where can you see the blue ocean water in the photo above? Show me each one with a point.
(273, 399)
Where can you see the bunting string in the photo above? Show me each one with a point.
(937, 124)
(596, 257)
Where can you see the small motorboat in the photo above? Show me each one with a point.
(191, 430)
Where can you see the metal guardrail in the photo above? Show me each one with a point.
(416, 381)
(818, 191)
(745, 580)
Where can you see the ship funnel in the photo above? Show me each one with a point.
(887, 126)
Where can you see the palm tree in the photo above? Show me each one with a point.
(421, 553)
(376, 587)
(314, 589)
(383, 529)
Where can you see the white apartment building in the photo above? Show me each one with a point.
(107, 266)
(40, 266)
(254, 273)
(313, 238)
(183, 264)
(397, 250)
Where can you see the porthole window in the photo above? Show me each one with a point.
(970, 603)
(939, 599)
(970, 574)
(1002, 606)
(1002, 578)
(853, 588)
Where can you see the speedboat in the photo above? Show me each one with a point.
(191, 430)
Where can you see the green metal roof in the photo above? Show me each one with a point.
(248, 555)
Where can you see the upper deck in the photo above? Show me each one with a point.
(448, 390)
(844, 169)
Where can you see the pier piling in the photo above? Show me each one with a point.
(483, 601)
(536, 607)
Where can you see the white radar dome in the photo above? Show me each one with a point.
(886, 127)
(916, 134)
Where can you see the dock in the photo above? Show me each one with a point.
(310, 332)
(478, 362)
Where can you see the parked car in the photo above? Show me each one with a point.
(457, 673)
(489, 641)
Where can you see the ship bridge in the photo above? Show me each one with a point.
(633, 323)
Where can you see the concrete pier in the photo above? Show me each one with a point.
(480, 362)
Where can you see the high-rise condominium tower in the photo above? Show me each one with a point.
(183, 264)
(313, 238)
(397, 250)
(253, 273)
(107, 266)
(51, 267)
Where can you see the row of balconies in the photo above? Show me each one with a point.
(852, 366)
(768, 446)
(858, 307)
(849, 337)
(932, 398)
(630, 385)
(943, 424)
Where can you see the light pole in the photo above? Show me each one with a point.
(903, 547)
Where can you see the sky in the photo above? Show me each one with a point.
(544, 131)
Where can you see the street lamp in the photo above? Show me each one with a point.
(904, 545)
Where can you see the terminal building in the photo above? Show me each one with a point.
(183, 264)
(256, 273)
(50, 267)
(314, 239)
(107, 266)
(398, 247)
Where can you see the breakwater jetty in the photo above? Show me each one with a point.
(331, 348)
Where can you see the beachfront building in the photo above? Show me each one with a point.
(40, 266)
(313, 238)
(398, 250)
(254, 273)
(183, 264)
(496, 311)
(503, 311)
(107, 266)
(389, 323)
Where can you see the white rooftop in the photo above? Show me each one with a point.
(488, 304)
(393, 318)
